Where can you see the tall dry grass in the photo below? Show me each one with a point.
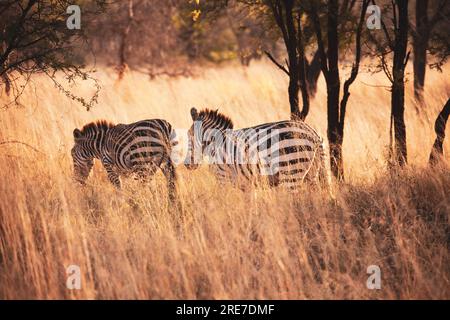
(226, 243)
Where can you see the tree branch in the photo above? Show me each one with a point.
(439, 127)
(355, 66)
(22, 143)
(279, 65)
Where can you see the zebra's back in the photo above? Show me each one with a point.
(284, 152)
(143, 143)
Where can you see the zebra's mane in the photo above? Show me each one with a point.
(96, 126)
(216, 116)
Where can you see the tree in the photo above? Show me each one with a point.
(395, 42)
(291, 29)
(289, 16)
(123, 41)
(293, 26)
(34, 38)
(425, 29)
(398, 80)
(437, 151)
(329, 57)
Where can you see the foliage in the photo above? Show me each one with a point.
(36, 39)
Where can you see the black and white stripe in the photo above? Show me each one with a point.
(141, 148)
(285, 152)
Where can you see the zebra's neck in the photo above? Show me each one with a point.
(214, 129)
(219, 140)
(96, 141)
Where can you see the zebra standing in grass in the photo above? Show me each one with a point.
(140, 148)
(285, 153)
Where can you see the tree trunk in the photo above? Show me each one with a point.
(302, 67)
(439, 127)
(420, 48)
(124, 41)
(333, 86)
(398, 84)
(328, 60)
(297, 65)
(291, 46)
(334, 138)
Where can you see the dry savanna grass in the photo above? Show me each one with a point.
(225, 243)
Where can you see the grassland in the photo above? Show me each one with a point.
(225, 244)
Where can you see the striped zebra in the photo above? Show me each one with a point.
(139, 148)
(284, 153)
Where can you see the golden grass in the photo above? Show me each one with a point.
(226, 243)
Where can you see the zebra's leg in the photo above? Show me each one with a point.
(112, 175)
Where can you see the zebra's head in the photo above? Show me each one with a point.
(86, 148)
(206, 124)
(82, 157)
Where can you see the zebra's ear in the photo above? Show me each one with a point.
(76, 134)
(194, 114)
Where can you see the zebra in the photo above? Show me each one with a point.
(140, 148)
(286, 152)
